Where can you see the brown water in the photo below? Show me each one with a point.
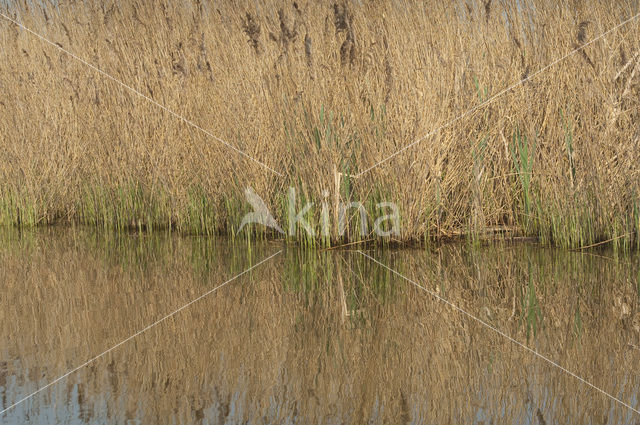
(315, 337)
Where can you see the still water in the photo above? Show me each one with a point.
(313, 337)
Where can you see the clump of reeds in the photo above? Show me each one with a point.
(308, 88)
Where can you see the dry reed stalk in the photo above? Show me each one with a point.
(307, 86)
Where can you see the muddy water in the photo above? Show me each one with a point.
(324, 337)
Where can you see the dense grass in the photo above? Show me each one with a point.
(311, 88)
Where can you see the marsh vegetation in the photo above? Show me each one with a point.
(132, 131)
(307, 88)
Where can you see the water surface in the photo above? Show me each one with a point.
(312, 337)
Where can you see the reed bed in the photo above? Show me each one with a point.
(311, 88)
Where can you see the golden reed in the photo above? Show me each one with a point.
(312, 87)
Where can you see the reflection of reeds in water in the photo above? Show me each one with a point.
(275, 345)
(313, 87)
